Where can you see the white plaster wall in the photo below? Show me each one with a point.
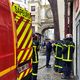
(75, 20)
(61, 17)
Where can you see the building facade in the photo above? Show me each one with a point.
(76, 37)
(34, 7)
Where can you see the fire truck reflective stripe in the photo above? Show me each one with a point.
(20, 27)
(17, 18)
(20, 76)
(25, 50)
(26, 41)
(31, 70)
(7, 70)
(26, 53)
(23, 35)
(18, 21)
(21, 32)
(30, 55)
(27, 71)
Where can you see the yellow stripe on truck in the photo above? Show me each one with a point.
(26, 41)
(23, 35)
(26, 53)
(20, 27)
(20, 76)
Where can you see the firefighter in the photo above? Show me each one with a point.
(68, 51)
(58, 47)
(48, 53)
(35, 57)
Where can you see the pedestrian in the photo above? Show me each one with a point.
(57, 48)
(35, 57)
(48, 53)
(68, 51)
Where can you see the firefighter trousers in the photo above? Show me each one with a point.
(34, 71)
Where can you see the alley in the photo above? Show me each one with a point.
(47, 73)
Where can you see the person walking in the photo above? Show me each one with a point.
(35, 57)
(57, 48)
(48, 53)
(68, 51)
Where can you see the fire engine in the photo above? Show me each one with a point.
(15, 42)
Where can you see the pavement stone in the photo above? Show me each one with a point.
(47, 73)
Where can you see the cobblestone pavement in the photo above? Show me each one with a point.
(47, 73)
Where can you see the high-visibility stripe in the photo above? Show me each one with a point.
(21, 32)
(26, 53)
(24, 50)
(58, 66)
(18, 22)
(67, 60)
(26, 41)
(30, 55)
(20, 27)
(34, 74)
(20, 76)
(68, 52)
(23, 35)
(20, 47)
(7, 70)
(58, 57)
(17, 18)
(30, 70)
(27, 71)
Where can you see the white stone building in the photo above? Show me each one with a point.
(34, 7)
(76, 37)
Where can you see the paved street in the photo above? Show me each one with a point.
(47, 73)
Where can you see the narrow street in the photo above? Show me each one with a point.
(47, 73)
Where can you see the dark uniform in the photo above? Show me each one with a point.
(48, 53)
(58, 47)
(35, 59)
(68, 51)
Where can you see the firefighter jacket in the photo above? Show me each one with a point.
(35, 52)
(68, 51)
(57, 47)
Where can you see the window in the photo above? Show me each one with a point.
(33, 17)
(33, 29)
(32, 8)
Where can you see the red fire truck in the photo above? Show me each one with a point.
(15, 42)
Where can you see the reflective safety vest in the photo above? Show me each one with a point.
(35, 55)
(57, 47)
(68, 51)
